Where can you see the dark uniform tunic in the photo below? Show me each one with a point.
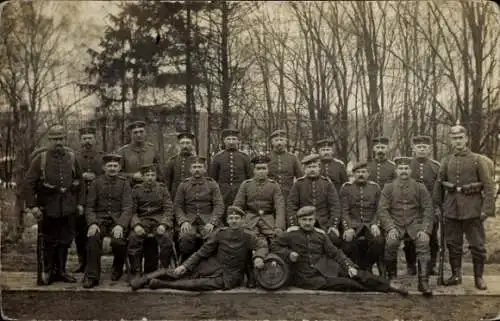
(462, 206)
(198, 201)
(135, 156)
(406, 205)
(263, 202)
(284, 168)
(382, 172)
(335, 170)
(424, 170)
(152, 206)
(229, 169)
(220, 263)
(359, 208)
(57, 192)
(109, 203)
(178, 169)
(320, 193)
(90, 161)
(320, 264)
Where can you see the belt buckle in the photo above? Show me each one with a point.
(459, 189)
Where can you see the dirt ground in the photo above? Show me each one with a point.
(90, 306)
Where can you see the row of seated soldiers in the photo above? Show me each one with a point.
(200, 201)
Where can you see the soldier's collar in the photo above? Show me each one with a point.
(313, 177)
(360, 182)
(197, 180)
(402, 182)
(231, 149)
(136, 146)
(421, 159)
(462, 152)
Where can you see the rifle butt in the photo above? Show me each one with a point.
(39, 254)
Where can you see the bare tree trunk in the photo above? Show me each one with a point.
(224, 54)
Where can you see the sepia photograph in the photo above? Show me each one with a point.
(250, 160)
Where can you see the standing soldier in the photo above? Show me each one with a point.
(331, 167)
(53, 197)
(151, 224)
(230, 167)
(108, 213)
(465, 189)
(423, 170)
(137, 154)
(261, 198)
(359, 201)
(318, 191)
(284, 167)
(198, 208)
(405, 210)
(90, 160)
(178, 167)
(381, 169)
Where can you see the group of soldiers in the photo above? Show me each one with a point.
(239, 217)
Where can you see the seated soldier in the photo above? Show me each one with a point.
(152, 219)
(262, 200)
(317, 264)
(198, 208)
(405, 210)
(364, 243)
(108, 213)
(221, 262)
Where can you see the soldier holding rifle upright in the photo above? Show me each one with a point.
(465, 190)
(53, 197)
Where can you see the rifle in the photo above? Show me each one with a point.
(40, 249)
(440, 279)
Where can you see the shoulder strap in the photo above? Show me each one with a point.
(43, 162)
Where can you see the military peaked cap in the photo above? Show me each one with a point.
(261, 159)
(87, 130)
(230, 132)
(457, 130)
(199, 160)
(185, 134)
(310, 158)
(359, 165)
(422, 140)
(278, 133)
(306, 211)
(148, 168)
(111, 158)
(381, 140)
(236, 210)
(57, 132)
(402, 160)
(324, 142)
(136, 124)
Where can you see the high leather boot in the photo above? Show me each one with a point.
(135, 265)
(432, 264)
(409, 250)
(117, 267)
(203, 284)
(456, 272)
(423, 278)
(391, 266)
(478, 275)
(62, 258)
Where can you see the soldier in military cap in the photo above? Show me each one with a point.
(331, 167)
(53, 196)
(108, 213)
(406, 210)
(220, 263)
(381, 169)
(364, 242)
(230, 167)
(198, 207)
(138, 153)
(465, 189)
(90, 159)
(424, 170)
(261, 198)
(151, 225)
(284, 167)
(318, 191)
(317, 264)
(179, 166)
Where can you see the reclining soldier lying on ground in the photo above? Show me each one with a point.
(218, 265)
(317, 264)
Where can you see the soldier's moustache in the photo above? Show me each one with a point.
(380, 153)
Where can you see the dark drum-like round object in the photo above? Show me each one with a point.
(275, 273)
